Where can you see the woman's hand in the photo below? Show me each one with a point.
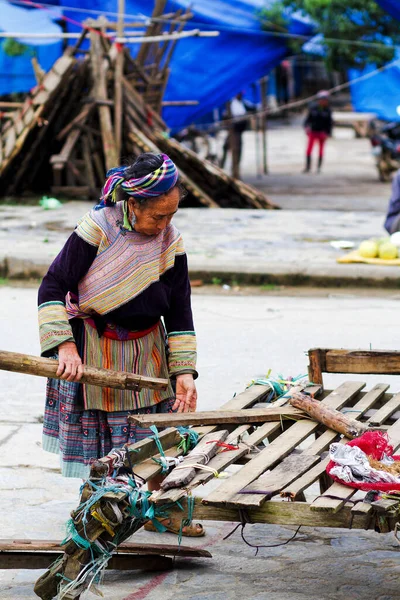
(69, 362)
(186, 394)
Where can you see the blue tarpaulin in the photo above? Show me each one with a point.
(380, 93)
(16, 72)
(211, 70)
(390, 6)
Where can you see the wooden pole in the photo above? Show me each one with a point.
(263, 91)
(47, 367)
(119, 71)
(328, 416)
(100, 87)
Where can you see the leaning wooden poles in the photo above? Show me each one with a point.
(47, 367)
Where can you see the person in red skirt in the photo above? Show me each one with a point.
(318, 126)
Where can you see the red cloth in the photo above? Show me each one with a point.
(375, 444)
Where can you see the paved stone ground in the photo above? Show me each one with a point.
(239, 337)
(291, 245)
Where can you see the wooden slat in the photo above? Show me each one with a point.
(215, 417)
(386, 411)
(274, 481)
(279, 448)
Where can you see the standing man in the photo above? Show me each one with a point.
(238, 107)
(318, 126)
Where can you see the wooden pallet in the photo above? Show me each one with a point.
(272, 485)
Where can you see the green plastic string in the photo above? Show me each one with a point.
(186, 522)
(156, 438)
(189, 440)
(72, 534)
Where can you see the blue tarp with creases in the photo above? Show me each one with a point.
(210, 70)
(16, 72)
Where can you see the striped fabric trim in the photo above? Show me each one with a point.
(145, 356)
(182, 351)
(129, 263)
(91, 232)
(54, 328)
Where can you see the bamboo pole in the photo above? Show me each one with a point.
(47, 367)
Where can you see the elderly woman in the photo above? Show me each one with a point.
(118, 297)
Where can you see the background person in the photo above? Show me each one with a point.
(392, 222)
(318, 126)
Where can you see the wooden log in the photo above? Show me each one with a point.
(47, 367)
(330, 417)
(201, 454)
(214, 417)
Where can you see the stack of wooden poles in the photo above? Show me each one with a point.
(96, 108)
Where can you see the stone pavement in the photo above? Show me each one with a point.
(239, 338)
(282, 246)
(289, 246)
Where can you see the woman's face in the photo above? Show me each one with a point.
(156, 214)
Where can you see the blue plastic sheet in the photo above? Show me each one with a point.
(209, 70)
(16, 72)
(390, 6)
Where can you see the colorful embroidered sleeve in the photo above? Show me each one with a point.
(54, 327)
(179, 323)
(62, 277)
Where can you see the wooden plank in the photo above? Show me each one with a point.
(279, 448)
(206, 448)
(342, 493)
(215, 417)
(124, 548)
(272, 482)
(378, 362)
(118, 562)
(279, 513)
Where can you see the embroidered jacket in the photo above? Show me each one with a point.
(120, 277)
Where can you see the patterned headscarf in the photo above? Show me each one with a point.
(154, 184)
